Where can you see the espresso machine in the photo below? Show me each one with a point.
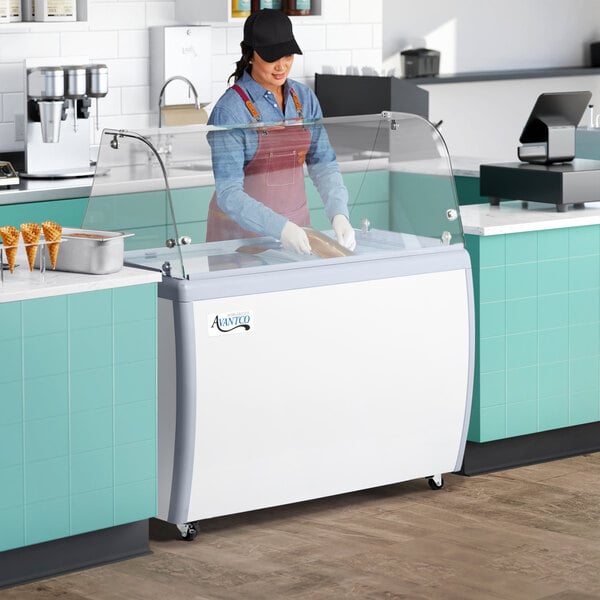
(58, 99)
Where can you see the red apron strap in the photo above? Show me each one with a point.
(253, 110)
(297, 103)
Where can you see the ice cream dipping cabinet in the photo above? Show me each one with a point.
(283, 377)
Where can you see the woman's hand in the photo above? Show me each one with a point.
(294, 238)
(344, 232)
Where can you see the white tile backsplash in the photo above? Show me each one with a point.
(235, 34)
(362, 11)
(311, 37)
(368, 58)
(335, 11)
(89, 43)
(128, 71)
(378, 38)
(223, 65)
(133, 43)
(12, 104)
(347, 34)
(219, 40)
(136, 100)
(160, 13)
(333, 61)
(7, 135)
(297, 67)
(11, 77)
(18, 46)
(341, 37)
(106, 15)
(217, 89)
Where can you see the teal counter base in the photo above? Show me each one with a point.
(530, 449)
(73, 553)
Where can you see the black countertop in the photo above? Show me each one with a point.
(476, 76)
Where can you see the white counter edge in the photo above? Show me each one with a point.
(511, 217)
(26, 285)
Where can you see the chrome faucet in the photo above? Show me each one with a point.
(162, 93)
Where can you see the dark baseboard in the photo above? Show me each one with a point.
(530, 449)
(56, 557)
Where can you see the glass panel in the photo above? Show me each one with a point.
(226, 192)
(131, 193)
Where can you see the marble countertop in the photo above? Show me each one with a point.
(26, 285)
(468, 166)
(511, 217)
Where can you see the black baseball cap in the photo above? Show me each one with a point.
(269, 32)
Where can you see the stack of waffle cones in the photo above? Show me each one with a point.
(52, 233)
(31, 236)
(10, 239)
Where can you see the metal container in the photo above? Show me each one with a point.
(75, 81)
(97, 80)
(47, 83)
(89, 251)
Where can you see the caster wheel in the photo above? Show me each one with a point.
(190, 534)
(436, 483)
(188, 531)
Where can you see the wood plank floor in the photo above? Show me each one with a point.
(526, 533)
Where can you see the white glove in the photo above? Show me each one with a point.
(343, 232)
(294, 238)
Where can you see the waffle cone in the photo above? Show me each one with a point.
(52, 233)
(31, 236)
(10, 237)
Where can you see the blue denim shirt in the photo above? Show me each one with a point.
(233, 149)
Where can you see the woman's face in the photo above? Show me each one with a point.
(271, 75)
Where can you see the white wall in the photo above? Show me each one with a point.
(485, 119)
(487, 35)
(347, 35)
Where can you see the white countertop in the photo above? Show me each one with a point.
(511, 217)
(468, 166)
(462, 166)
(26, 285)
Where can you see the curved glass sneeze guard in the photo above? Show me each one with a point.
(393, 168)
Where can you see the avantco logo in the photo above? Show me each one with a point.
(237, 322)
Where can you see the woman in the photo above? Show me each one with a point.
(259, 170)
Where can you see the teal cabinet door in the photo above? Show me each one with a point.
(77, 413)
(68, 213)
(537, 304)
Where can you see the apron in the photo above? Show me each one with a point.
(274, 176)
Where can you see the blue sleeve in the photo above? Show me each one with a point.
(323, 168)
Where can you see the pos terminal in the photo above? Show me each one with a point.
(548, 171)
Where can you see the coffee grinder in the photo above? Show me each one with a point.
(58, 98)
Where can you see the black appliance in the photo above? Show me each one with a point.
(549, 134)
(420, 62)
(595, 54)
(344, 95)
